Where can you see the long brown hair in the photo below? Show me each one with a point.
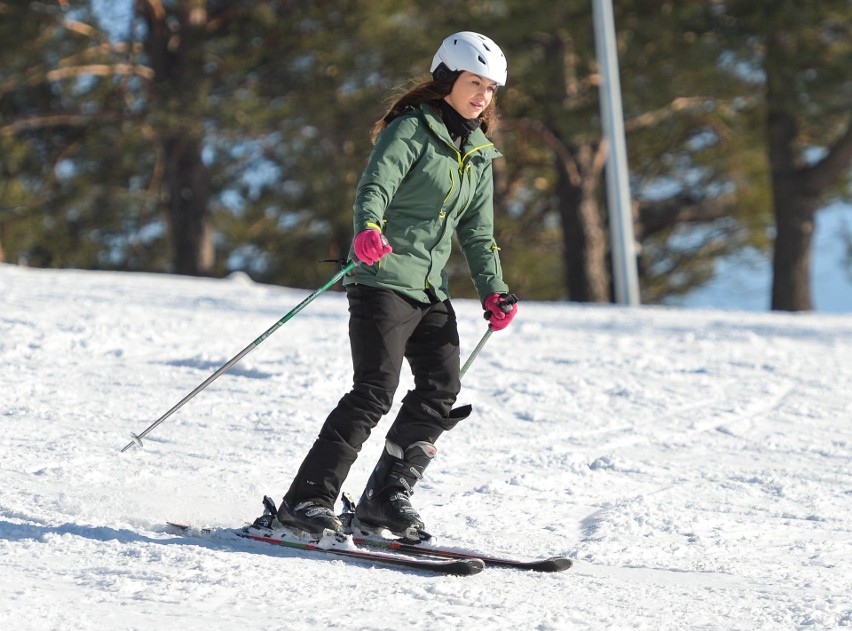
(426, 92)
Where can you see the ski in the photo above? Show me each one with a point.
(362, 544)
(343, 547)
(467, 566)
(550, 564)
(428, 548)
(187, 528)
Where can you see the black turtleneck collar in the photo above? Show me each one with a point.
(457, 125)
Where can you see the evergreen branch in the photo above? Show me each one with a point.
(827, 171)
(103, 70)
(658, 215)
(53, 120)
(37, 75)
(649, 119)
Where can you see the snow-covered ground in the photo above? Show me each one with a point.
(696, 464)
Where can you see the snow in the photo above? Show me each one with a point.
(695, 463)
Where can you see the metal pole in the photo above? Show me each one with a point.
(622, 234)
(137, 439)
(476, 351)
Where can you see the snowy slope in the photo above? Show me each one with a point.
(695, 463)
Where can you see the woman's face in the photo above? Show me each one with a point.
(471, 94)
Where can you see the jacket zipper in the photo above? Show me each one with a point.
(461, 159)
(443, 212)
(464, 168)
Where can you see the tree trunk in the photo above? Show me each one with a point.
(794, 210)
(173, 43)
(583, 233)
(186, 180)
(794, 217)
(791, 265)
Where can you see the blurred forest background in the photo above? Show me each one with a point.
(204, 137)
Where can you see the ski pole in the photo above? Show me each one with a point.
(476, 351)
(137, 439)
(505, 307)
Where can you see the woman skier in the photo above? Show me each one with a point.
(429, 175)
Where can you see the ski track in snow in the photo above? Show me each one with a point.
(696, 464)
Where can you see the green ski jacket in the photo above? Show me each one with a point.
(418, 189)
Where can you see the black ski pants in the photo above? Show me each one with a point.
(386, 328)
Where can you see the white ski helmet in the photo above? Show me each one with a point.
(472, 52)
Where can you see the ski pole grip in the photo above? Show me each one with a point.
(506, 303)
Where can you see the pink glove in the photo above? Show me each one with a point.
(371, 245)
(500, 309)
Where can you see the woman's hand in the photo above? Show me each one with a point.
(500, 309)
(371, 245)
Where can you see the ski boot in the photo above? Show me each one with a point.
(310, 517)
(385, 502)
